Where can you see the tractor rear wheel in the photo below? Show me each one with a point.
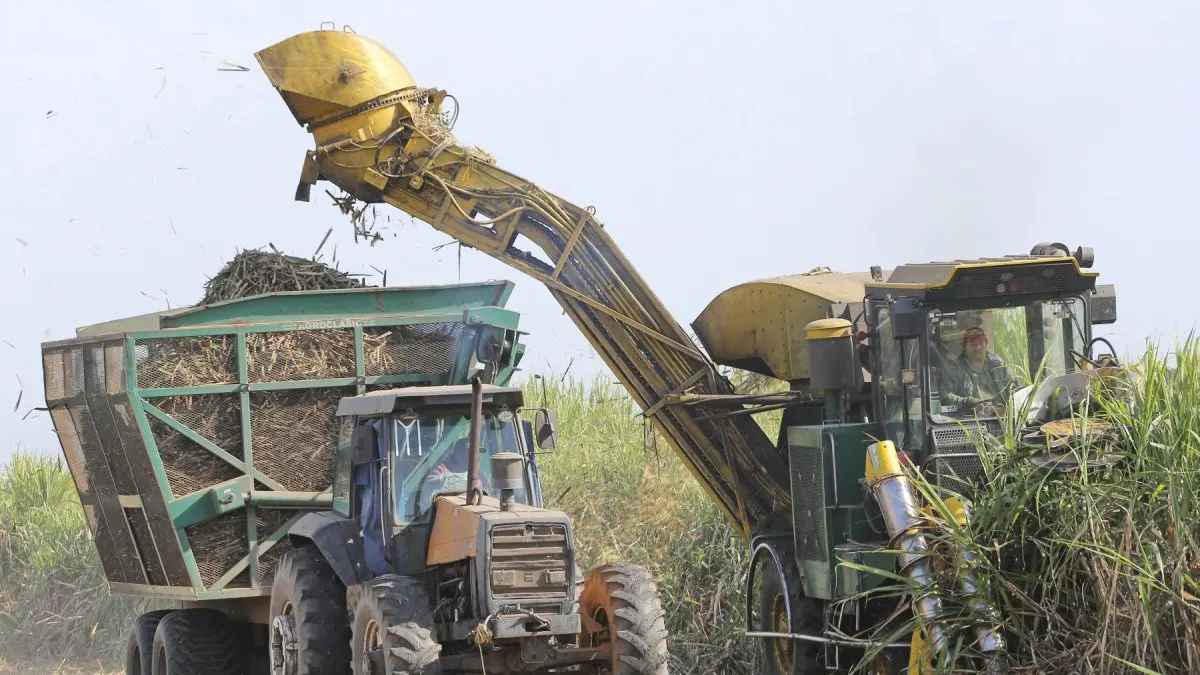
(309, 631)
(196, 641)
(393, 629)
(622, 601)
(139, 650)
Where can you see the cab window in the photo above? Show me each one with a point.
(899, 373)
(430, 454)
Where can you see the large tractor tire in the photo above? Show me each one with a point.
(623, 601)
(310, 629)
(139, 650)
(393, 629)
(782, 656)
(196, 641)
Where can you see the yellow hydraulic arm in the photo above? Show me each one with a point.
(381, 138)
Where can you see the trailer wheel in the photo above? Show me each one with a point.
(310, 630)
(782, 656)
(196, 641)
(139, 650)
(393, 629)
(622, 601)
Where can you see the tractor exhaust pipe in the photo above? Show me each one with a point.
(902, 515)
(474, 482)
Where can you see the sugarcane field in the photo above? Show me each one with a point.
(622, 339)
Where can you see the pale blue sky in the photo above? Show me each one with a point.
(718, 145)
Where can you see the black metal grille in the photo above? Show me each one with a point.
(186, 361)
(529, 560)
(984, 283)
(268, 522)
(294, 435)
(809, 502)
(52, 376)
(404, 350)
(218, 544)
(954, 462)
(114, 367)
(189, 467)
(73, 375)
(300, 355)
(214, 417)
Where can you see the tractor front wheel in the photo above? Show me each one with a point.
(621, 609)
(393, 629)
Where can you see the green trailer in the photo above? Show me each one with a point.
(196, 437)
(335, 482)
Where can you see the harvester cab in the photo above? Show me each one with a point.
(956, 344)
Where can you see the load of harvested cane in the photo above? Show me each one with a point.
(255, 272)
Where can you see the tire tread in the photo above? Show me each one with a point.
(198, 642)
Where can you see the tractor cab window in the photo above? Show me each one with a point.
(898, 369)
(980, 356)
(430, 451)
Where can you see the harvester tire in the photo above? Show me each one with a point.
(624, 601)
(789, 657)
(393, 630)
(309, 630)
(196, 641)
(139, 650)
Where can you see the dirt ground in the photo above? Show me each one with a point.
(51, 668)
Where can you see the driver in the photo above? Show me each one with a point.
(450, 475)
(981, 376)
(452, 471)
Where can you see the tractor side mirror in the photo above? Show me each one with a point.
(545, 428)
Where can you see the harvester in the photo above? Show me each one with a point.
(331, 482)
(876, 364)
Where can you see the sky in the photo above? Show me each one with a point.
(718, 146)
